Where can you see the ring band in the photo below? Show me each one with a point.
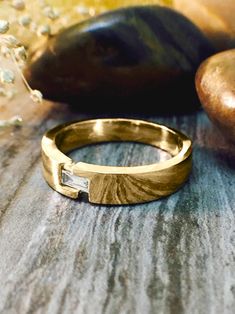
(115, 185)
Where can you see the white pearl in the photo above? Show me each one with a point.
(25, 20)
(4, 26)
(51, 13)
(82, 9)
(18, 4)
(36, 96)
(7, 76)
(5, 51)
(44, 30)
(20, 53)
(9, 40)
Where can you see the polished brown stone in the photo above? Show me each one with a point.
(214, 17)
(140, 57)
(215, 83)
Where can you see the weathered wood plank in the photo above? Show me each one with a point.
(58, 255)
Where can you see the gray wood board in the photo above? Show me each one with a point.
(57, 255)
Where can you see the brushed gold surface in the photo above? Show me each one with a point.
(117, 185)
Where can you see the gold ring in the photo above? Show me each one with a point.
(115, 185)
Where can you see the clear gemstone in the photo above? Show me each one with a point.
(74, 181)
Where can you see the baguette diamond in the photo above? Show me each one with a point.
(80, 183)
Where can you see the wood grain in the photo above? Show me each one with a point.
(57, 255)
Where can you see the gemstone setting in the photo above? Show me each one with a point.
(74, 181)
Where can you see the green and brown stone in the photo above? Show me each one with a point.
(148, 54)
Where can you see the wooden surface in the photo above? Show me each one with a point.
(58, 255)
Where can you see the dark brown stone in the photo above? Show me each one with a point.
(215, 83)
(141, 54)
